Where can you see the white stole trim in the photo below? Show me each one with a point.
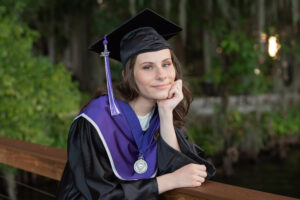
(106, 147)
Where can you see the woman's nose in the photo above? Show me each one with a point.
(161, 73)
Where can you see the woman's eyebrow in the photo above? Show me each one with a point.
(166, 59)
(147, 62)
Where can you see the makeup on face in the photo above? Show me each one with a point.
(154, 74)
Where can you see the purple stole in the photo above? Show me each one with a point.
(117, 137)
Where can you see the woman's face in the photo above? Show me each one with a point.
(154, 74)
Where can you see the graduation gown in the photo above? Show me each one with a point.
(88, 174)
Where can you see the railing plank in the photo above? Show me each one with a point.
(43, 160)
(212, 190)
(50, 162)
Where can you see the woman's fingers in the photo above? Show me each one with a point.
(191, 175)
(203, 174)
(202, 167)
(198, 181)
(172, 91)
(175, 95)
(201, 179)
(176, 89)
(199, 171)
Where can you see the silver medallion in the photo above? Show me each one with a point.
(140, 166)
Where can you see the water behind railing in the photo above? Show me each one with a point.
(268, 174)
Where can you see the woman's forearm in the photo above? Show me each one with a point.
(165, 183)
(191, 175)
(167, 130)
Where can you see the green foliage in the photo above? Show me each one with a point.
(37, 98)
(240, 62)
(235, 125)
(284, 123)
(247, 132)
(202, 134)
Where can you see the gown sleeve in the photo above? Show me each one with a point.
(88, 174)
(170, 159)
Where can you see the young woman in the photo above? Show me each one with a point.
(133, 146)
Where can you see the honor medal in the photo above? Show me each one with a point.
(140, 166)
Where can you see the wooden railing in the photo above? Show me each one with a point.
(50, 162)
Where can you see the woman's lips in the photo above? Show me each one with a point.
(161, 87)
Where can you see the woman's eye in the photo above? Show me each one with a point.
(147, 67)
(166, 64)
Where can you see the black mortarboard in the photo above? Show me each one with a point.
(145, 32)
(146, 18)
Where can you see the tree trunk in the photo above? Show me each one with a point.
(67, 55)
(51, 37)
(273, 10)
(261, 42)
(227, 163)
(207, 55)
(183, 20)
(296, 81)
(277, 74)
(51, 48)
(261, 24)
(167, 7)
(11, 185)
(295, 13)
(76, 54)
(207, 40)
(78, 45)
(132, 9)
(153, 4)
(180, 43)
(228, 13)
(97, 72)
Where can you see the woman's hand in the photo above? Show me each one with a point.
(165, 111)
(191, 175)
(175, 95)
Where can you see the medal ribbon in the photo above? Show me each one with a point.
(143, 141)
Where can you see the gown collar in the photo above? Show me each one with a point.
(123, 137)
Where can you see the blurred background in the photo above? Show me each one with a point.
(239, 58)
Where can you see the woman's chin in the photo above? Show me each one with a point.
(157, 95)
(160, 96)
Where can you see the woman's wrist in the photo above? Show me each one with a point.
(167, 130)
(166, 115)
(166, 182)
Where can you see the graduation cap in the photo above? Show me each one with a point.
(145, 32)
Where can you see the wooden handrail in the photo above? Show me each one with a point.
(39, 159)
(50, 162)
(212, 190)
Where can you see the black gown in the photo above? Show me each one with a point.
(88, 174)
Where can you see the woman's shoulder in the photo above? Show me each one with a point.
(95, 113)
(94, 107)
(80, 122)
(100, 101)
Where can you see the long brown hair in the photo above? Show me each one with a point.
(127, 90)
